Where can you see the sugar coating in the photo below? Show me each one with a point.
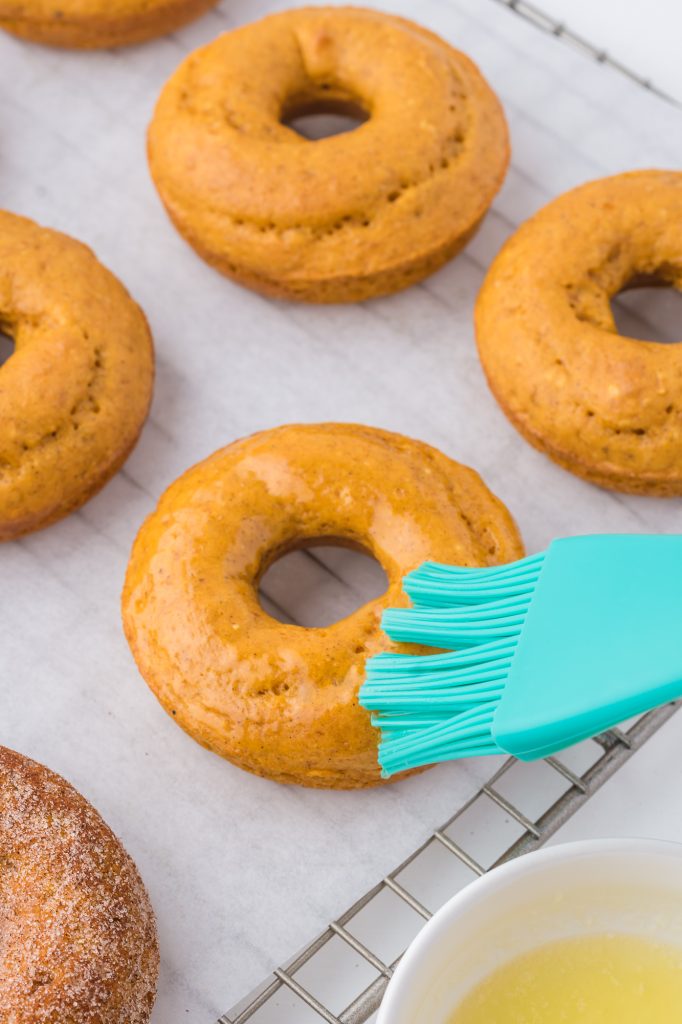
(77, 931)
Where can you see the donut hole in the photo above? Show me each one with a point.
(321, 117)
(649, 308)
(321, 583)
(6, 346)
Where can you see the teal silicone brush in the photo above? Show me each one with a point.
(546, 651)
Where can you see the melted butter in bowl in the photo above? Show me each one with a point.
(588, 980)
(584, 933)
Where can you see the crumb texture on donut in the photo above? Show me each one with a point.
(75, 393)
(97, 24)
(276, 699)
(342, 218)
(77, 932)
(604, 406)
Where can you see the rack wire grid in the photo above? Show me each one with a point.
(516, 811)
(538, 18)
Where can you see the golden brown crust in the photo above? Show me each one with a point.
(75, 393)
(606, 407)
(280, 700)
(343, 218)
(78, 932)
(97, 24)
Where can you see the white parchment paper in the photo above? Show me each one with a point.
(242, 872)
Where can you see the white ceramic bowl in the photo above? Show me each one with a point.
(624, 885)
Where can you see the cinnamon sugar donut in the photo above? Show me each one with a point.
(280, 700)
(75, 392)
(96, 24)
(343, 218)
(78, 938)
(604, 406)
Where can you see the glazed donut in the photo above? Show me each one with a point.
(604, 406)
(78, 933)
(343, 218)
(75, 392)
(280, 700)
(96, 24)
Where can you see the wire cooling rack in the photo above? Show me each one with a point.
(341, 976)
(536, 16)
(515, 812)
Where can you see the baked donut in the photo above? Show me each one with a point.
(76, 390)
(96, 24)
(78, 932)
(604, 406)
(280, 700)
(343, 218)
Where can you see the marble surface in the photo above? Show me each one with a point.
(243, 872)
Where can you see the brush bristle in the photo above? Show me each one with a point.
(440, 707)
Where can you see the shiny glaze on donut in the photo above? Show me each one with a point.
(281, 700)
